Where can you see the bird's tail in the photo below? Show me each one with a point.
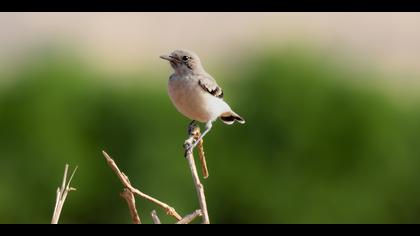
(230, 118)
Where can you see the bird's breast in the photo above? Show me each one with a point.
(191, 100)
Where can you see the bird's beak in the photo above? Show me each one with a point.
(167, 57)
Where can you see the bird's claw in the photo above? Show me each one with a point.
(193, 132)
(188, 148)
(192, 127)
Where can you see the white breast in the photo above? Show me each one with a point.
(193, 102)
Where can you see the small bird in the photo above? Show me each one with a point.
(195, 93)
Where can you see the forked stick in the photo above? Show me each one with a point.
(125, 181)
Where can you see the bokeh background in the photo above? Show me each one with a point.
(331, 103)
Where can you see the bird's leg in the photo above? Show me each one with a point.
(190, 129)
(191, 126)
(207, 129)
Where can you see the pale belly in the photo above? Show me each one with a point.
(193, 102)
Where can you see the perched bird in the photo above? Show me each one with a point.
(195, 93)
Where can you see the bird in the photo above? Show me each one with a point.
(196, 94)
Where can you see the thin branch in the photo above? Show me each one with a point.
(155, 218)
(125, 181)
(131, 202)
(62, 194)
(193, 129)
(202, 156)
(188, 218)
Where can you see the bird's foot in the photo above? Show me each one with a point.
(192, 127)
(195, 137)
(189, 147)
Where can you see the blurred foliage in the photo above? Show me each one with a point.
(316, 148)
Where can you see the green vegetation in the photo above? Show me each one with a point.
(317, 146)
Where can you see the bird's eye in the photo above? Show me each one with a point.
(185, 58)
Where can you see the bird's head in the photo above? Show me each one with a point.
(184, 61)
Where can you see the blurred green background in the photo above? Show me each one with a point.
(325, 141)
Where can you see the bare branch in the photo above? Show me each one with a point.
(155, 218)
(125, 181)
(188, 218)
(71, 178)
(193, 130)
(201, 155)
(62, 194)
(131, 202)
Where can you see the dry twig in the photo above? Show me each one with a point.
(188, 218)
(62, 194)
(193, 131)
(131, 202)
(201, 155)
(155, 218)
(125, 181)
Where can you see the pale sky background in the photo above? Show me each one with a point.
(126, 41)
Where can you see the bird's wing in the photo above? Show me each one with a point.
(209, 85)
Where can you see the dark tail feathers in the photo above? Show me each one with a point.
(230, 117)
